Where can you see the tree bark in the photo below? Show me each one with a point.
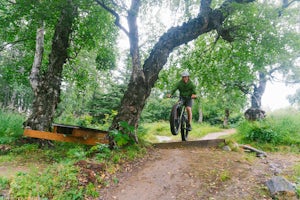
(200, 118)
(143, 80)
(255, 112)
(259, 91)
(46, 86)
(226, 117)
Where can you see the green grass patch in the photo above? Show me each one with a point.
(51, 173)
(297, 178)
(11, 127)
(149, 131)
(280, 131)
(56, 182)
(4, 183)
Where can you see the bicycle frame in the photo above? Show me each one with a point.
(178, 119)
(182, 111)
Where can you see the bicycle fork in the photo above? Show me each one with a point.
(180, 118)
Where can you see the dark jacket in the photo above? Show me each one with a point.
(185, 89)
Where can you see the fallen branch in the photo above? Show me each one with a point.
(258, 152)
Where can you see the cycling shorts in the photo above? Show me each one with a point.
(187, 102)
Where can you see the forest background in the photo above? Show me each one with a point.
(63, 62)
(95, 73)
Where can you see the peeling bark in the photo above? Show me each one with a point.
(143, 80)
(255, 112)
(46, 85)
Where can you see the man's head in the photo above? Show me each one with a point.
(185, 76)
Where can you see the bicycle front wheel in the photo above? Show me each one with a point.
(183, 130)
(174, 120)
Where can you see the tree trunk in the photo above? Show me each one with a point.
(200, 118)
(226, 118)
(255, 112)
(259, 91)
(143, 80)
(46, 86)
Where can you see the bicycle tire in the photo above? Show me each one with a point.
(174, 120)
(183, 129)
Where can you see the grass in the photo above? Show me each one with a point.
(4, 183)
(58, 178)
(55, 175)
(11, 127)
(280, 131)
(50, 172)
(149, 131)
(297, 178)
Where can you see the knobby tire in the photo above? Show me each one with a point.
(174, 120)
(184, 131)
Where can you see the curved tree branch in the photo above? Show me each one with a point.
(206, 21)
(115, 14)
(285, 4)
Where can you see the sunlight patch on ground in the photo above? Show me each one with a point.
(163, 138)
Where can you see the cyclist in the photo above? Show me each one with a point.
(187, 91)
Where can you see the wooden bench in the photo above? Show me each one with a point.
(69, 133)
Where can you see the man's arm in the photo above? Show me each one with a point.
(173, 91)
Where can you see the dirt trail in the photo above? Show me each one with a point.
(200, 173)
(210, 136)
(216, 135)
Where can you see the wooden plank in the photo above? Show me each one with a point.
(77, 131)
(86, 133)
(195, 143)
(91, 140)
(63, 129)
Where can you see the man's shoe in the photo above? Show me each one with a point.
(188, 127)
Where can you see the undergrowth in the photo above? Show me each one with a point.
(52, 172)
(11, 127)
(274, 133)
(56, 175)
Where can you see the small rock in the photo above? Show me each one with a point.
(279, 187)
(226, 148)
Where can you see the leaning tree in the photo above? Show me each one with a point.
(72, 29)
(144, 75)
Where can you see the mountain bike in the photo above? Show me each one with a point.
(179, 120)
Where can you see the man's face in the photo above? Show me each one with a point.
(185, 79)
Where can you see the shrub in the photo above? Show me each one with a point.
(11, 127)
(57, 182)
(4, 183)
(261, 132)
(276, 130)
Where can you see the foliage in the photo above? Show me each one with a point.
(4, 183)
(157, 108)
(54, 175)
(10, 126)
(124, 136)
(275, 130)
(226, 72)
(259, 131)
(58, 182)
(297, 175)
(19, 22)
(103, 105)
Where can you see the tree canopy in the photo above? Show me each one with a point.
(232, 48)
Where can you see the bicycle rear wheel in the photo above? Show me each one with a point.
(174, 120)
(183, 129)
